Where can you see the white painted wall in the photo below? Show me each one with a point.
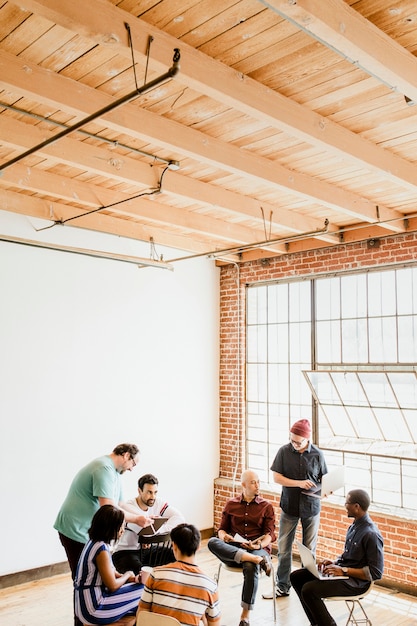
(94, 353)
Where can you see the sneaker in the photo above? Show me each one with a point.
(243, 622)
(278, 594)
(266, 565)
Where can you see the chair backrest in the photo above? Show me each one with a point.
(157, 549)
(146, 618)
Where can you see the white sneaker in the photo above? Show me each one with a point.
(278, 594)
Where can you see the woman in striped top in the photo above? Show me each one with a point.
(101, 594)
(181, 589)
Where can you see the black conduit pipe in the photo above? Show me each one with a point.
(173, 70)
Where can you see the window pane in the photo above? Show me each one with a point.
(383, 340)
(300, 301)
(256, 344)
(323, 388)
(278, 343)
(329, 345)
(411, 419)
(407, 291)
(339, 424)
(256, 305)
(256, 383)
(353, 295)
(282, 302)
(300, 342)
(378, 389)
(407, 339)
(328, 299)
(404, 385)
(381, 288)
(349, 388)
(386, 481)
(364, 423)
(354, 341)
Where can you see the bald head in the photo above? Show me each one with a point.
(250, 484)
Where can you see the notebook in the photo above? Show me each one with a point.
(148, 531)
(330, 482)
(309, 562)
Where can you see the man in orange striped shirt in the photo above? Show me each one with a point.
(181, 589)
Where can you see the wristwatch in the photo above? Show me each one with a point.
(345, 570)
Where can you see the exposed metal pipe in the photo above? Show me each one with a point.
(111, 256)
(173, 70)
(173, 165)
(215, 254)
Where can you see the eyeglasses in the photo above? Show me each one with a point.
(297, 443)
(133, 461)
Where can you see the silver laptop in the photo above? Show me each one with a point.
(330, 482)
(309, 562)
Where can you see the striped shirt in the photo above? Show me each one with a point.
(183, 591)
(93, 602)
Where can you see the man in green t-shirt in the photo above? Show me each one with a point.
(95, 484)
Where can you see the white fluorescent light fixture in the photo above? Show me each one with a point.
(111, 256)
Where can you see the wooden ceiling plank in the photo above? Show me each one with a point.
(51, 211)
(97, 19)
(169, 134)
(88, 194)
(80, 155)
(143, 124)
(343, 29)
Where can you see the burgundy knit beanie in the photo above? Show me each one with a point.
(301, 428)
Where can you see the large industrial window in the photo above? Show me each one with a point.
(341, 351)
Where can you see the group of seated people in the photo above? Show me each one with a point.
(108, 584)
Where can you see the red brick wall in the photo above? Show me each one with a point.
(400, 535)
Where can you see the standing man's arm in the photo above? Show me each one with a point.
(291, 482)
(130, 515)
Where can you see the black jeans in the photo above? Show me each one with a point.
(311, 592)
(73, 551)
(125, 560)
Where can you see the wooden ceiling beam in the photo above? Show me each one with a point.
(338, 26)
(105, 23)
(104, 162)
(52, 210)
(37, 83)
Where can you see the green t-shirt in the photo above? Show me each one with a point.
(98, 479)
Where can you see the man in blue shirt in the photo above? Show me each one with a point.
(298, 466)
(362, 561)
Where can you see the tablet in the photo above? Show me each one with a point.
(148, 531)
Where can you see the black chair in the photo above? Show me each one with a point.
(156, 549)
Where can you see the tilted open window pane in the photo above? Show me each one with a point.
(369, 406)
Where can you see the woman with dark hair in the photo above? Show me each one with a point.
(101, 594)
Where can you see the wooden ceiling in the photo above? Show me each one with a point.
(240, 129)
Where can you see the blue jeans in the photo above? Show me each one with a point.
(231, 554)
(287, 527)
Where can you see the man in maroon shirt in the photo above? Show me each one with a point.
(245, 535)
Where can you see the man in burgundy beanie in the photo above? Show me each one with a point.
(298, 467)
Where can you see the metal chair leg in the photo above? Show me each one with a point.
(354, 620)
